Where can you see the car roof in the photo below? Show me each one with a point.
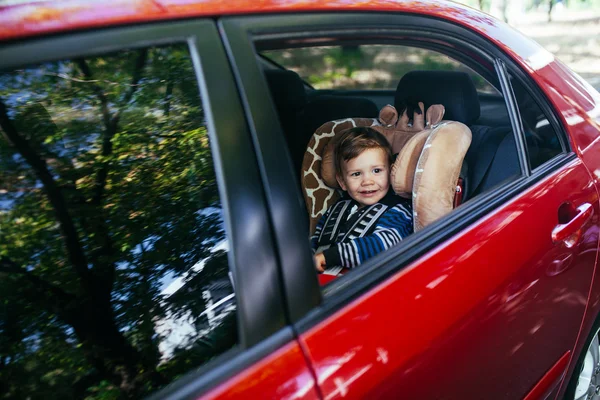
(26, 19)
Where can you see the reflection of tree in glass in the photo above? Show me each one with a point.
(188, 300)
(105, 173)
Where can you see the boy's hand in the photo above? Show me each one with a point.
(320, 262)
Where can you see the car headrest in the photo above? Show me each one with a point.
(454, 90)
(287, 89)
(325, 108)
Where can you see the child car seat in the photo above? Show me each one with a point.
(429, 160)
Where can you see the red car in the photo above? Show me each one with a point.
(153, 230)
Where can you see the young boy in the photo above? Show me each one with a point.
(369, 218)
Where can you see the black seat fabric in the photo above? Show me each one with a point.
(325, 108)
(289, 96)
(300, 118)
(454, 90)
(287, 89)
(492, 156)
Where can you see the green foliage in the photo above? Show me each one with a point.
(103, 391)
(363, 67)
(107, 193)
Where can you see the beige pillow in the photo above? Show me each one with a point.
(437, 172)
(407, 139)
(429, 161)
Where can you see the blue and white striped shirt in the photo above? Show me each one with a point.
(352, 246)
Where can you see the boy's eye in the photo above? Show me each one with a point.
(377, 170)
(355, 174)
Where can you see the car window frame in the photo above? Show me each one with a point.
(547, 109)
(262, 323)
(276, 167)
(241, 34)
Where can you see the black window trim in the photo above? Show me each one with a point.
(281, 184)
(515, 118)
(262, 326)
(544, 103)
(247, 30)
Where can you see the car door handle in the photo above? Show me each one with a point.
(563, 231)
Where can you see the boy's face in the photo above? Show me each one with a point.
(366, 178)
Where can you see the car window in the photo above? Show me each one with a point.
(359, 67)
(114, 272)
(541, 138)
(346, 234)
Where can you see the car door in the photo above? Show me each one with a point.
(579, 104)
(134, 231)
(486, 303)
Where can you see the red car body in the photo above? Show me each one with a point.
(459, 303)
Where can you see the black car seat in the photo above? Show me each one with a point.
(289, 95)
(492, 156)
(299, 118)
(324, 108)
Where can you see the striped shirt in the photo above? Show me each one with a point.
(345, 241)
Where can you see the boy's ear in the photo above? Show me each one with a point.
(340, 182)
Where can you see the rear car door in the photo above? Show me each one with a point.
(580, 106)
(487, 302)
(134, 230)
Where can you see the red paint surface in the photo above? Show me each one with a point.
(325, 279)
(281, 375)
(578, 106)
(20, 21)
(499, 298)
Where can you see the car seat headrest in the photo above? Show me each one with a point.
(287, 89)
(325, 108)
(452, 89)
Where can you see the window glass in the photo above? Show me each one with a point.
(542, 140)
(114, 276)
(365, 66)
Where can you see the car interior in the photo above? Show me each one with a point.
(316, 82)
(472, 98)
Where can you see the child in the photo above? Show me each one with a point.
(369, 218)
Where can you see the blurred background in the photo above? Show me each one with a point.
(568, 28)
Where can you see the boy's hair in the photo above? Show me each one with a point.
(352, 142)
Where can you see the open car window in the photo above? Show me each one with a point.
(387, 74)
(365, 67)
